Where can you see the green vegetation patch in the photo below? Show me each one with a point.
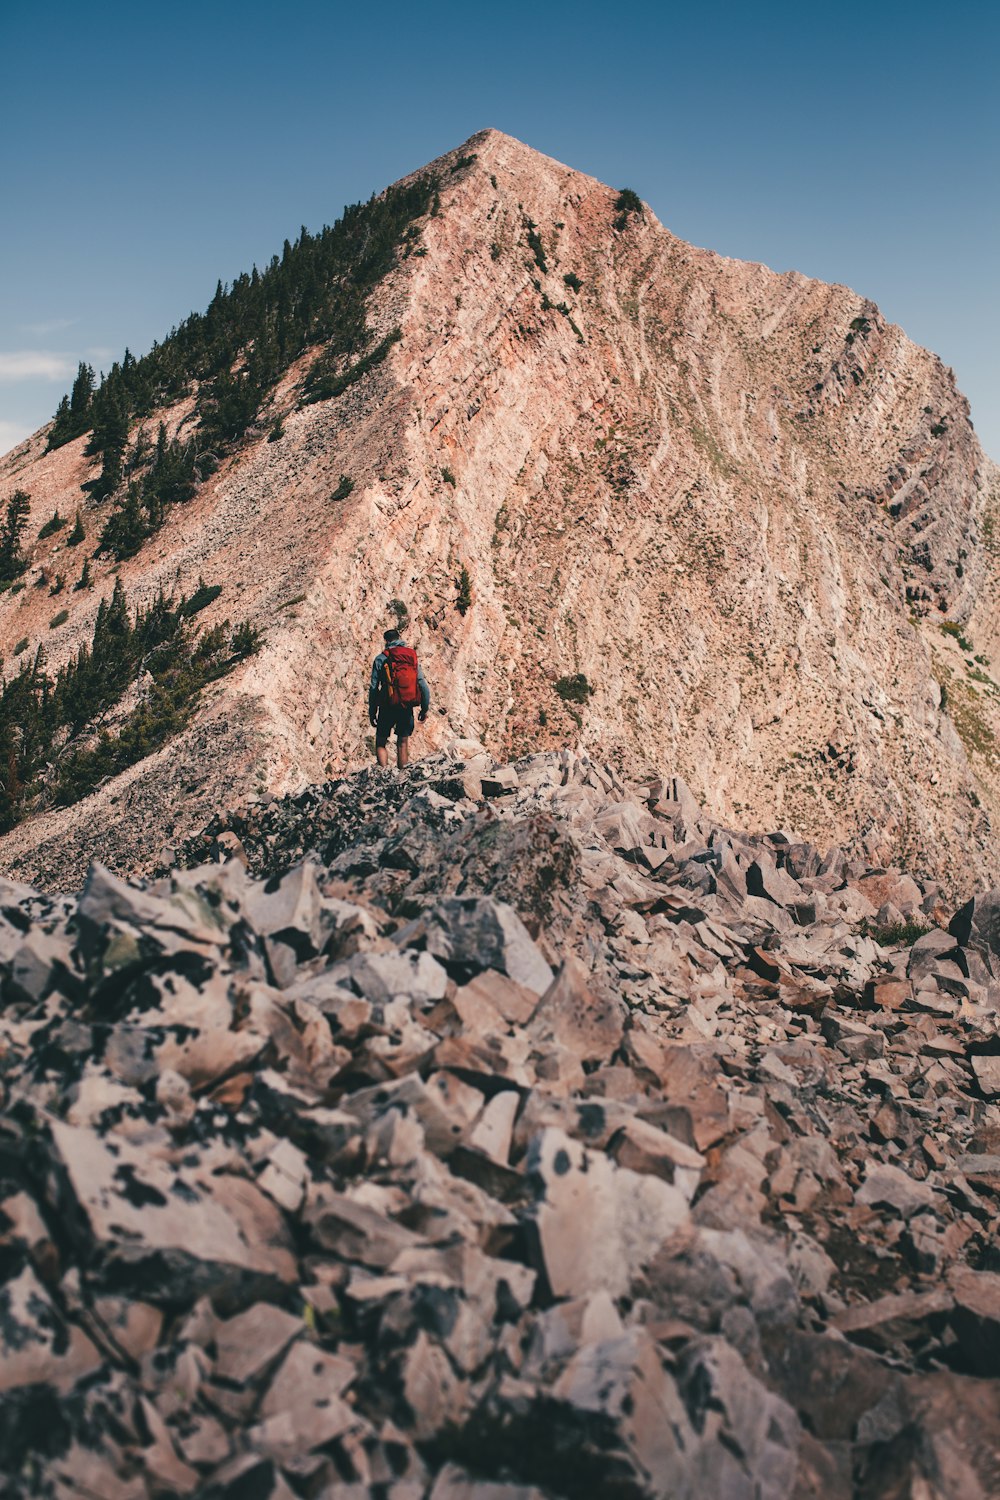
(321, 385)
(895, 934)
(626, 203)
(54, 747)
(949, 627)
(200, 599)
(464, 601)
(574, 689)
(535, 245)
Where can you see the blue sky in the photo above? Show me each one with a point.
(147, 151)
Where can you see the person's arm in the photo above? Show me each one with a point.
(425, 692)
(375, 686)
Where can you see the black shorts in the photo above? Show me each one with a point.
(393, 717)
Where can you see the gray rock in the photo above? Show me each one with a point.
(635, 1421)
(37, 1346)
(479, 933)
(628, 1217)
(987, 1071)
(157, 1220)
(889, 1186)
(749, 1436)
(977, 925)
(248, 1343)
(380, 977)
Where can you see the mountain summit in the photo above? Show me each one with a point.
(628, 495)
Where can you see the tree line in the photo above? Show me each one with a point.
(315, 293)
(55, 741)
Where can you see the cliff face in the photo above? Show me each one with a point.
(741, 505)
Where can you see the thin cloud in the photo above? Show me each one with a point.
(53, 325)
(12, 433)
(34, 364)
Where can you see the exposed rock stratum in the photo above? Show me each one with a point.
(741, 504)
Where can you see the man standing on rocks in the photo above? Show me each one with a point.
(397, 686)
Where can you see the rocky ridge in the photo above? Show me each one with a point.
(742, 506)
(507, 1131)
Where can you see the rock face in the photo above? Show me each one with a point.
(741, 505)
(551, 1144)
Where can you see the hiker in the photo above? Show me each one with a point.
(397, 686)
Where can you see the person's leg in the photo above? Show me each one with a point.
(383, 729)
(404, 728)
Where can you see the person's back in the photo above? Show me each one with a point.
(396, 687)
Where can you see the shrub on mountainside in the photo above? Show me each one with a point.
(202, 597)
(895, 934)
(626, 203)
(535, 246)
(574, 689)
(950, 627)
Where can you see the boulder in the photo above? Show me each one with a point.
(597, 1225)
(479, 933)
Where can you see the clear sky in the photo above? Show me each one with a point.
(147, 150)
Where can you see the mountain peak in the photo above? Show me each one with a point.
(627, 495)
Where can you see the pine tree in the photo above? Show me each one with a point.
(12, 560)
(84, 581)
(126, 529)
(110, 438)
(78, 534)
(83, 393)
(73, 414)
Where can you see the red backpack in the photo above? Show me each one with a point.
(401, 676)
